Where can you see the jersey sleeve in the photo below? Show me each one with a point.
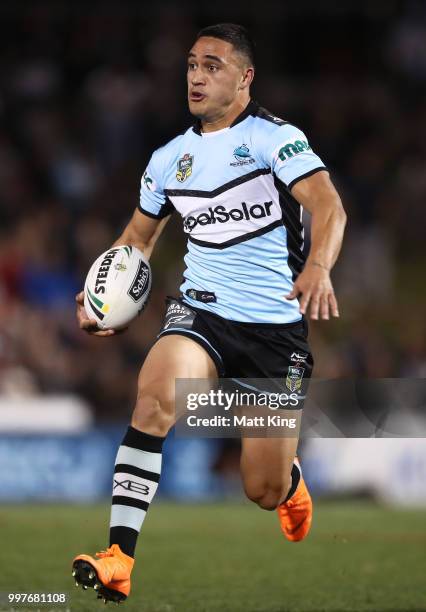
(290, 155)
(153, 202)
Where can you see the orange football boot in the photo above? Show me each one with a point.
(109, 575)
(296, 514)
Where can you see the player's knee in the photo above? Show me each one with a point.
(265, 496)
(154, 411)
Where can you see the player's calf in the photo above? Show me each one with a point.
(267, 494)
(154, 412)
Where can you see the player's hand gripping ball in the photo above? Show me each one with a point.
(117, 287)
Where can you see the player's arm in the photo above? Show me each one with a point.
(313, 286)
(142, 232)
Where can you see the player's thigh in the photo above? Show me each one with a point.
(172, 356)
(266, 463)
(175, 356)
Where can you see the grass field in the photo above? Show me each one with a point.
(227, 557)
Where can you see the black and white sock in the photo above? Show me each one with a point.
(296, 473)
(136, 476)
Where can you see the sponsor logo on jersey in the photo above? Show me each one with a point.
(140, 283)
(294, 378)
(290, 149)
(219, 214)
(184, 167)
(299, 357)
(242, 155)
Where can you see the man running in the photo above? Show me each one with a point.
(240, 178)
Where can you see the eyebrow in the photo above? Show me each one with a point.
(208, 56)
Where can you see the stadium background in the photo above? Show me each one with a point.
(87, 91)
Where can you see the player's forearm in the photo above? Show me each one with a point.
(130, 238)
(142, 233)
(328, 225)
(318, 195)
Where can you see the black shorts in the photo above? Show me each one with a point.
(278, 353)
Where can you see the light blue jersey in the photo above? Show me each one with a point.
(245, 235)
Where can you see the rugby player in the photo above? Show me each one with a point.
(240, 178)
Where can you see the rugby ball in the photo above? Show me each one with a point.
(117, 287)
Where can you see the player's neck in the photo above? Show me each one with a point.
(227, 119)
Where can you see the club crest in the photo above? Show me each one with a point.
(243, 156)
(184, 167)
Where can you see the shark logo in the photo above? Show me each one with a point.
(242, 155)
(242, 152)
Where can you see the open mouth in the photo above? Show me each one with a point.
(196, 96)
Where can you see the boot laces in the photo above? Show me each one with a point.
(105, 553)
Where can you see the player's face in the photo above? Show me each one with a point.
(216, 74)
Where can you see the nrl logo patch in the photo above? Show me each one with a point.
(294, 378)
(120, 267)
(184, 167)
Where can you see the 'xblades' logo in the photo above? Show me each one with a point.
(131, 485)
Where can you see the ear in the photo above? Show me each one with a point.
(247, 78)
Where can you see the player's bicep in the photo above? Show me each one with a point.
(316, 190)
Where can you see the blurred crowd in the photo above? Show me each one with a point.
(87, 92)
